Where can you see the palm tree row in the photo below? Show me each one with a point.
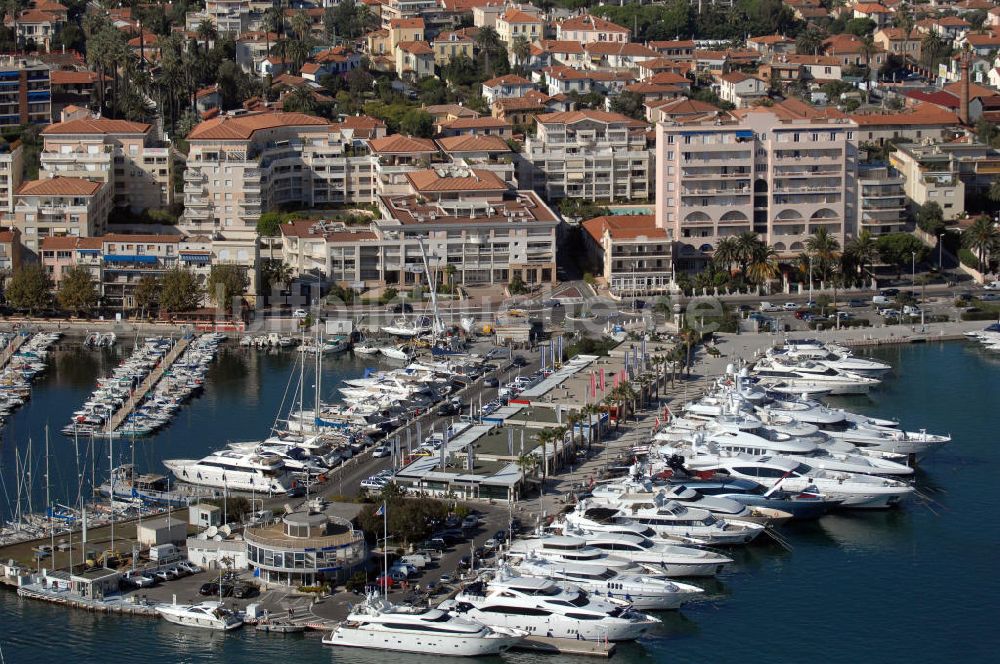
(983, 239)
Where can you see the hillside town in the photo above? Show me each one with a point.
(644, 147)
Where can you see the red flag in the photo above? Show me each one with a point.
(656, 424)
(593, 385)
(604, 386)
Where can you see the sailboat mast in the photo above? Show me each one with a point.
(30, 486)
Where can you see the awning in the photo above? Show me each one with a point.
(196, 258)
(89, 251)
(744, 133)
(120, 258)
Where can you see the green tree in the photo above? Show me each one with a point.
(983, 239)
(418, 123)
(299, 100)
(810, 41)
(994, 192)
(726, 253)
(29, 289)
(930, 218)
(863, 251)
(631, 104)
(147, 293)
(520, 48)
(824, 249)
(860, 26)
(226, 282)
(179, 290)
(273, 272)
(516, 285)
(269, 224)
(898, 249)
(763, 265)
(301, 24)
(77, 292)
(206, 32)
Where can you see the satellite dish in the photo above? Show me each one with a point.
(225, 530)
(211, 531)
(217, 538)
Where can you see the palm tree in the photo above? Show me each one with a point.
(994, 192)
(982, 238)
(520, 48)
(726, 253)
(206, 32)
(763, 265)
(930, 47)
(301, 24)
(863, 250)
(299, 100)
(824, 250)
(746, 244)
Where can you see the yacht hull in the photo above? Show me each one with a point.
(426, 644)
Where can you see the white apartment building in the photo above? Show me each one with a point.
(466, 218)
(61, 207)
(241, 165)
(931, 174)
(396, 9)
(779, 176)
(125, 154)
(881, 206)
(593, 155)
(230, 17)
(11, 176)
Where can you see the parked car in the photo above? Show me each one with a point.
(245, 591)
(188, 567)
(299, 313)
(889, 292)
(163, 575)
(857, 303)
(470, 522)
(881, 300)
(446, 578)
(790, 306)
(845, 315)
(802, 314)
(911, 310)
(519, 361)
(381, 451)
(491, 381)
(993, 286)
(142, 580)
(208, 589)
(767, 306)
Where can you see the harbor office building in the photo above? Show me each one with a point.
(305, 549)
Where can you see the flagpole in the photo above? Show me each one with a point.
(385, 547)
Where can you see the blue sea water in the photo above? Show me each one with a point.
(917, 584)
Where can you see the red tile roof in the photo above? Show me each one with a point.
(624, 227)
(507, 79)
(478, 179)
(93, 126)
(239, 127)
(62, 77)
(587, 22)
(59, 187)
(473, 144)
(399, 144)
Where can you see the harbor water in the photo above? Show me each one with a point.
(915, 584)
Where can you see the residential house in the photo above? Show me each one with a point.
(414, 60)
(406, 30)
(633, 255)
(618, 55)
(515, 23)
(771, 45)
(251, 49)
(818, 68)
(72, 88)
(923, 122)
(897, 41)
(682, 110)
(852, 50)
(445, 112)
(872, 11)
(948, 173)
(483, 126)
(482, 152)
(35, 29)
(505, 87)
(450, 45)
(948, 28)
(681, 49)
(981, 44)
(521, 111)
(587, 28)
(741, 89)
(564, 80)
(566, 53)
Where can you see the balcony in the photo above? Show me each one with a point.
(193, 175)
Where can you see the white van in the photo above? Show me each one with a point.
(767, 306)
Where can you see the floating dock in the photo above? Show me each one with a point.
(148, 384)
(11, 349)
(559, 646)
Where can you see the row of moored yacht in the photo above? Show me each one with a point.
(27, 363)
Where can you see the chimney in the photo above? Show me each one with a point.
(963, 95)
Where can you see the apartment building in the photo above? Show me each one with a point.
(633, 255)
(881, 206)
(25, 91)
(515, 23)
(346, 255)
(587, 28)
(592, 155)
(945, 172)
(10, 251)
(240, 165)
(128, 155)
(11, 175)
(399, 9)
(778, 174)
(61, 206)
(230, 17)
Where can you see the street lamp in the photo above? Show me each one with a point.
(810, 279)
(913, 276)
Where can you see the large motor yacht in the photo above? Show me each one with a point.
(380, 625)
(230, 469)
(543, 607)
(808, 373)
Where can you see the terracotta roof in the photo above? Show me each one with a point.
(415, 47)
(507, 79)
(406, 23)
(571, 117)
(952, 22)
(561, 46)
(465, 5)
(665, 45)
(473, 144)
(924, 114)
(974, 90)
(526, 103)
(652, 88)
(204, 92)
(771, 39)
(475, 123)
(399, 144)
(823, 60)
(518, 16)
(899, 34)
(96, 126)
(624, 227)
(630, 49)
(870, 8)
(565, 73)
(983, 40)
(361, 122)
(59, 243)
(685, 106)
(309, 68)
(90, 243)
(478, 179)
(457, 110)
(62, 77)
(59, 187)
(591, 23)
(737, 77)
(843, 44)
(238, 127)
(6, 237)
(711, 55)
(667, 78)
(35, 16)
(452, 38)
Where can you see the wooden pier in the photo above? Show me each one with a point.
(11, 348)
(151, 380)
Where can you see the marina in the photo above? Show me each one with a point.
(727, 594)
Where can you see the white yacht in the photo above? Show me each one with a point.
(403, 328)
(543, 607)
(671, 520)
(402, 353)
(234, 470)
(380, 625)
(644, 591)
(808, 373)
(366, 348)
(207, 615)
(856, 491)
(668, 558)
(836, 357)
